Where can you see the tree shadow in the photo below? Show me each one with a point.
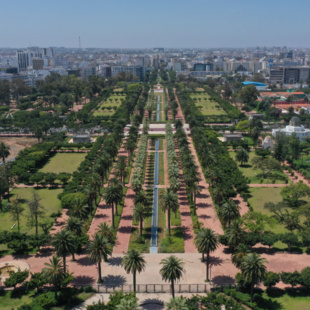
(152, 303)
(84, 261)
(83, 280)
(215, 261)
(115, 261)
(112, 281)
(223, 280)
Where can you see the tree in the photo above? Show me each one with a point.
(294, 146)
(16, 211)
(36, 211)
(99, 249)
(36, 281)
(64, 244)
(178, 303)
(292, 194)
(242, 156)
(74, 224)
(4, 151)
(269, 239)
(106, 231)
(172, 270)
(55, 274)
(139, 215)
(235, 234)
(133, 262)
(16, 277)
(253, 269)
(292, 278)
(228, 212)
(305, 277)
(206, 241)
(112, 196)
(266, 165)
(249, 94)
(121, 168)
(128, 304)
(271, 279)
(290, 239)
(170, 203)
(238, 256)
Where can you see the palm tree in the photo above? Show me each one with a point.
(178, 303)
(74, 225)
(141, 198)
(196, 191)
(172, 270)
(112, 195)
(133, 262)
(128, 304)
(242, 156)
(253, 269)
(121, 168)
(175, 184)
(106, 231)
(64, 243)
(240, 253)
(79, 209)
(206, 241)
(91, 194)
(54, 273)
(16, 211)
(139, 215)
(235, 234)
(229, 212)
(99, 249)
(169, 202)
(4, 151)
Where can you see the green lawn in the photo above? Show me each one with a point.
(64, 162)
(254, 175)
(173, 243)
(290, 301)
(207, 106)
(49, 201)
(161, 169)
(110, 105)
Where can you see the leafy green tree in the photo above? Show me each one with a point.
(266, 165)
(16, 211)
(290, 239)
(253, 269)
(305, 277)
(133, 262)
(99, 249)
(242, 156)
(206, 241)
(37, 281)
(178, 303)
(16, 277)
(249, 94)
(4, 151)
(64, 244)
(292, 278)
(36, 211)
(169, 201)
(292, 194)
(271, 279)
(172, 270)
(269, 239)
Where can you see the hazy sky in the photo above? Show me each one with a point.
(145, 23)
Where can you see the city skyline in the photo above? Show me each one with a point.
(136, 24)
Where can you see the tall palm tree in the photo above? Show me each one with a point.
(133, 262)
(54, 273)
(175, 184)
(253, 269)
(238, 256)
(169, 202)
(235, 234)
(106, 231)
(91, 194)
(139, 215)
(121, 168)
(172, 270)
(79, 209)
(112, 195)
(4, 151)
(141, 198)
(128, 304)
(74, 225)
(229, 212)
(206, 241)
(99, 249)
(64, 244)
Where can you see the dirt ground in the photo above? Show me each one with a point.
(17, 144)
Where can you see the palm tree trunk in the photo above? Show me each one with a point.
(172, 288)
(208, 258)
(203, 256)
(64, 262)
(141, 225)
(169, 222)
(73, 257)
(134, 281)
(252, 291)
(113, 216)
(99, 272)
(116, 203)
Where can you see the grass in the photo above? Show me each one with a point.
(63, 162)
(173, 243)
(161, 169)
(175, 218)
(255, 175)
(49, 201)
(207, 106)
(13, 299)
(109, 106)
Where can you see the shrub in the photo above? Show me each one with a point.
(271, 279)
(15, 278)
(292, 278)
(305, 277)
(46, 300)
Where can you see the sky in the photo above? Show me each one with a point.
(148, 24)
